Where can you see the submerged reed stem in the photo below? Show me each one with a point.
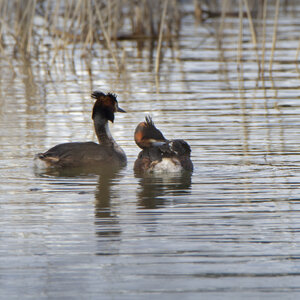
(161, 29)
(274, 35)
(253, 34)
(240, 40)
(262, 68)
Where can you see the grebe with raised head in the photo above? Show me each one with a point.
(160, 154)
(89, 154)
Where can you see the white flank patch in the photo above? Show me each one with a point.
(168, 165)
(39, 164)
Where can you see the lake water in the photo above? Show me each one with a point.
(229, 231)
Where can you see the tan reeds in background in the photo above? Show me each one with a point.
(27, 27)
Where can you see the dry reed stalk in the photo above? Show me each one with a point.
(240, 41)
(198, 11)
(175, 43)
(89, 36)
(106, 36)
(161, 29)
(109, 13)
(274, 35)
(220, 34)
(263, 51)
(25, 12)
(7, 30)
(223, 13)
(177, 18)
(46, 18)
(243, 111)
(253, 34)
(3, 9)
(262, 68)
(54, 33)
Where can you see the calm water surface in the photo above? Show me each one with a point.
(229, 231)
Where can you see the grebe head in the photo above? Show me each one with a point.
(180, 147)
(147, 135)
(105, 106)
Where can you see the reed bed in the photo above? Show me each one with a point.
(29, 27)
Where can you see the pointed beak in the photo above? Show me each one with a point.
(119, 109)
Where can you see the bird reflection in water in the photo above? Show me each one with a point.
(106, 222)
(159, 190)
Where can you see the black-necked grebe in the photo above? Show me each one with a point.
(90, 154)
(160, 154)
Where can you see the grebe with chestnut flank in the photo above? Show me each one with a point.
(160, 154)
(89, 154)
